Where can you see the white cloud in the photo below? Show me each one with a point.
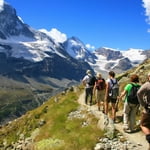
(148, 30)
(146, 5)
(55, 34)
(90, 46)
(1, 5)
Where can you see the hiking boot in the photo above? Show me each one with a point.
(91, 103)
(127, 130)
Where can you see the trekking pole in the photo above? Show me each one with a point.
(116, 105)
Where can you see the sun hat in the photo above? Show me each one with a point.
(88, 72)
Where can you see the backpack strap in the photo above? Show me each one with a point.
(134, 85)
(113, 83)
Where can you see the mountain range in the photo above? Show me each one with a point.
(35, 66)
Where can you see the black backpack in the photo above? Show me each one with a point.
(132, 95)
(92, 80)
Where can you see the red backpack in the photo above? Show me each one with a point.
(100, 84)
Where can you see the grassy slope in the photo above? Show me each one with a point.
(58, 132)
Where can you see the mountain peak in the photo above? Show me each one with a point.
(10, 24)
(76, 48)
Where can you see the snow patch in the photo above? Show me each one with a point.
(135, 55)
(19, 38)
(20, 19)
(102, 61)
(1, 5)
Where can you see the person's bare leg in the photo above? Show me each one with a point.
(113, 111)
(145, 130)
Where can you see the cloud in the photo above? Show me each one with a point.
(146, 5)
(55, 34)
(1, 5)
(90, 46)
(148, 30)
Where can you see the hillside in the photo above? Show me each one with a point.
(17, 97)
(54, 125)
(61, 122)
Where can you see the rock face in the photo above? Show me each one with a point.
(56, 67)
(109, 54)
(123, 65)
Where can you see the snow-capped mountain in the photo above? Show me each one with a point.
(20, 41)
(119, 61)
(33, 66)
(24, 41)
(105, 59)
(12, 25)
(77, 49)
(36, 51)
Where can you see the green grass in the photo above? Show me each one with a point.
(70, 132)
(58, 132)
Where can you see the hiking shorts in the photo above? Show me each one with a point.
(112, 100)
(100, 95)
(145, 120)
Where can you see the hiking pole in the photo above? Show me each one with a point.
(116, 105)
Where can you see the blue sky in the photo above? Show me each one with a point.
(118, 24)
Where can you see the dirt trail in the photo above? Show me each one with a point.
(137, 138)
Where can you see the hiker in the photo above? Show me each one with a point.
(99, 90)
(111, 94)
(88, 81)
(144, 99)
(131, 104)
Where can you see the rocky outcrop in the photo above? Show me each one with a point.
(109, 54)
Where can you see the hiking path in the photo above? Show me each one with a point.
(137, 137)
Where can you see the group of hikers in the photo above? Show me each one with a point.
(134, 95)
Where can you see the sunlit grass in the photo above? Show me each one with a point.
(58, 132)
